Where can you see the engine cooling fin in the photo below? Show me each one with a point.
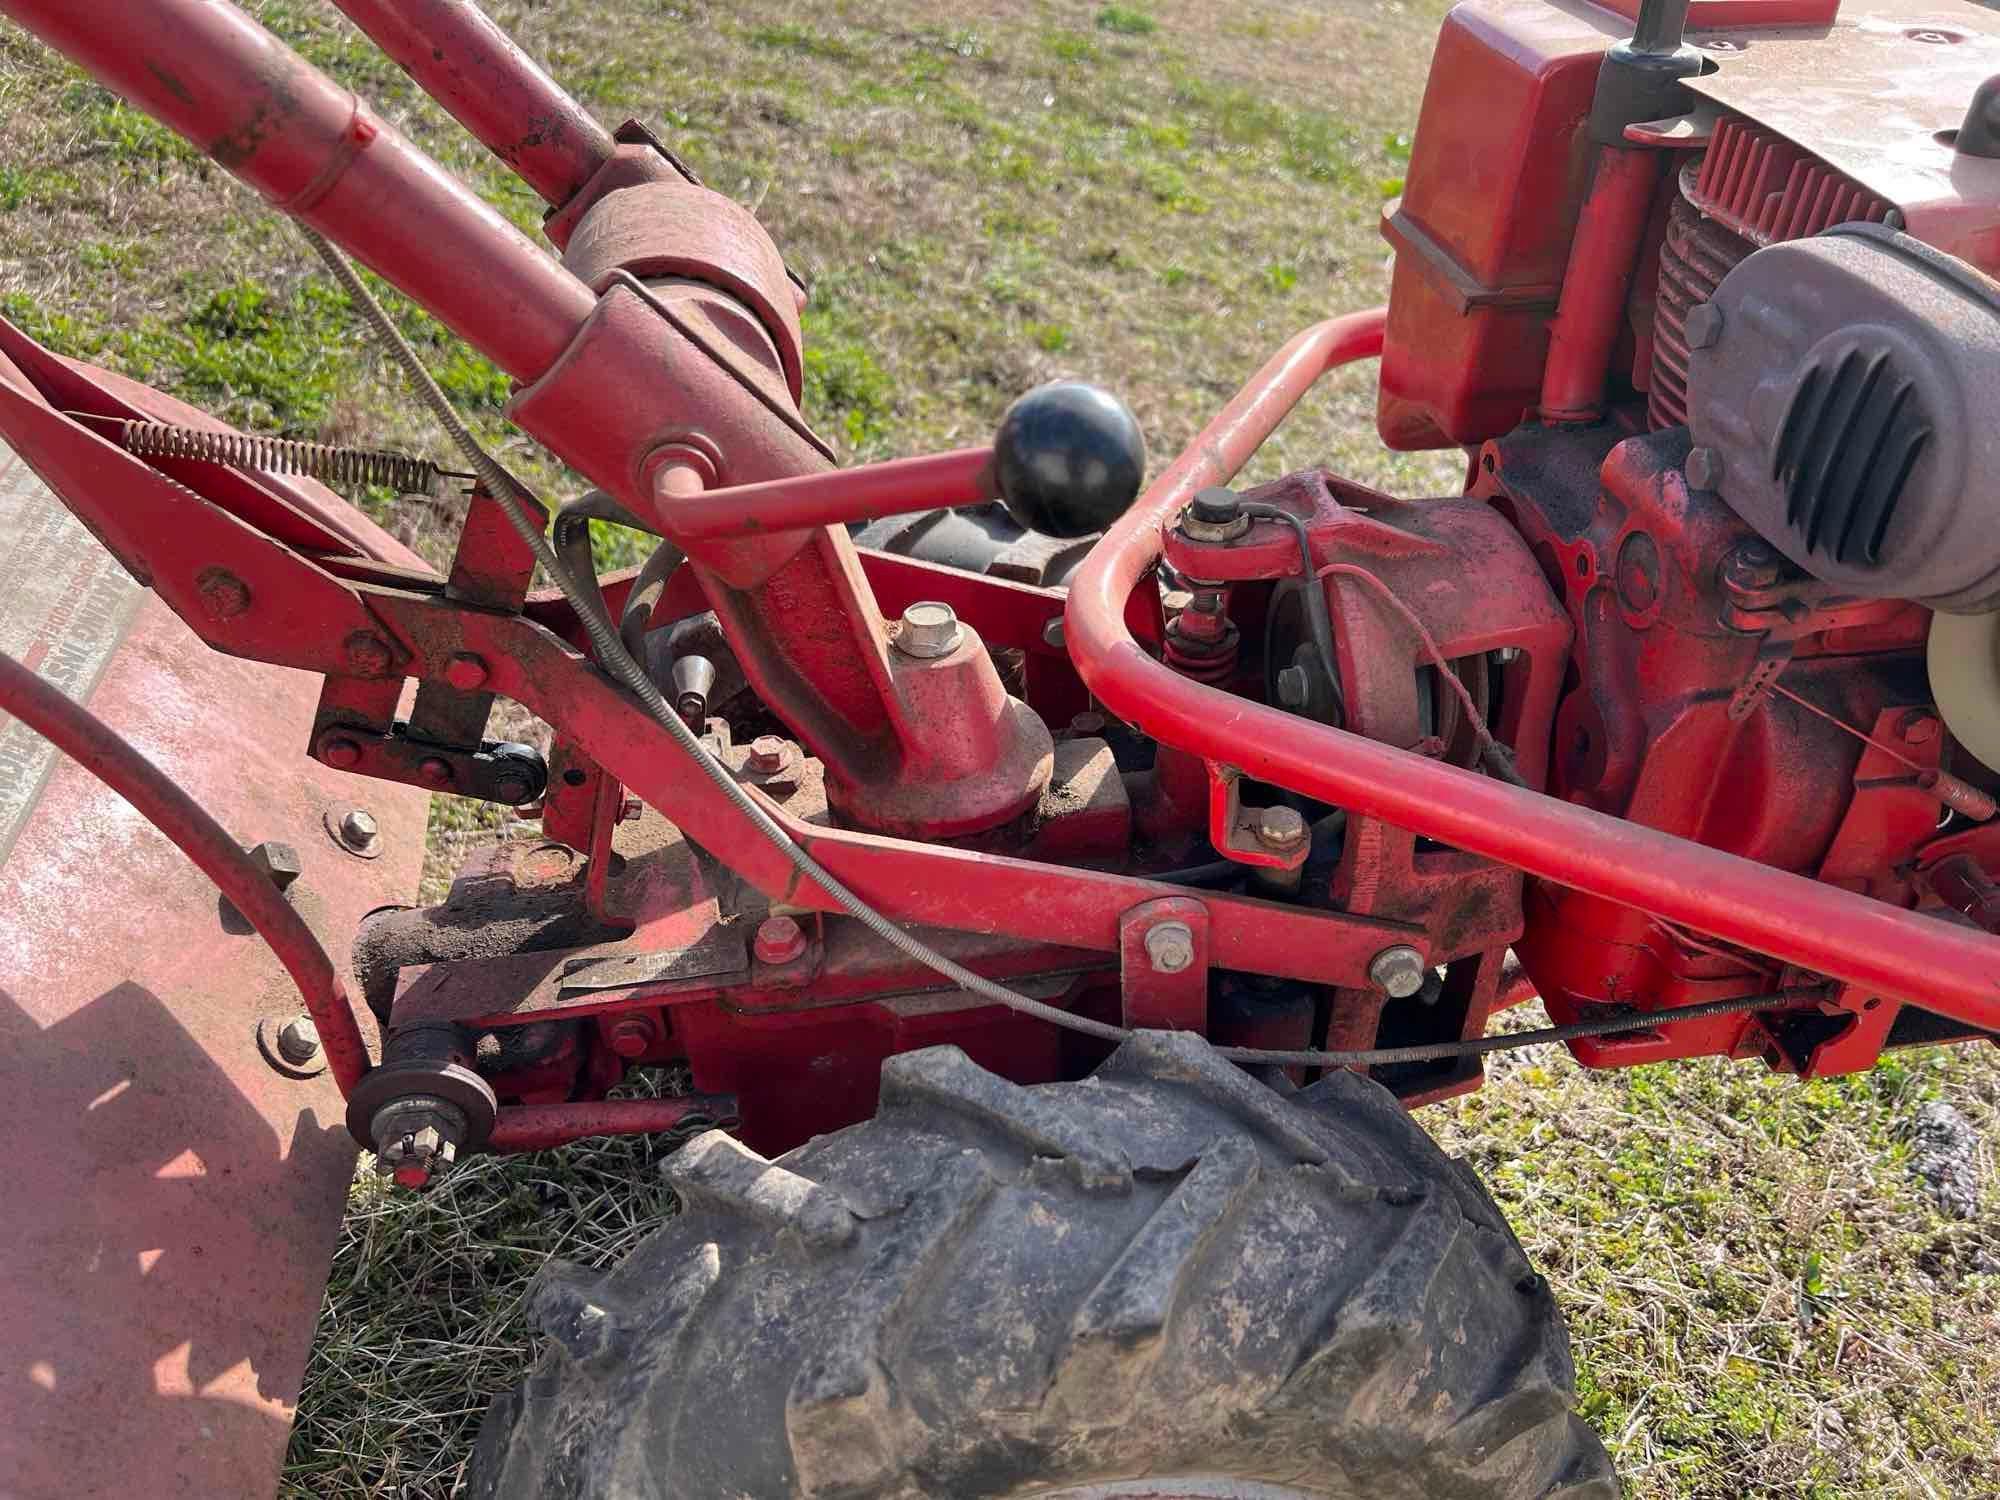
(1770, 190)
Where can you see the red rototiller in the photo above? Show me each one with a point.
(1074, 873)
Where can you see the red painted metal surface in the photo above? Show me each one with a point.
(1498, 168)
(1885, 950)
(102, 751)
(1876, 98)
(454, 53)
(1610, 233)
(668, 351)
(173, 1200)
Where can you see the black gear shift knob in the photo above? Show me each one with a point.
(1068, 459)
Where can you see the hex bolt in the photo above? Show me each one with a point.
(1170, 946)
(1704, 469)
(368, 655)
(1397, 972)
(780, 940)
(1281, 828)
(340, 752)
(1919, 727)
(631, 810)
(767, 754)
(466, 671)
(929, 629)
(1704, 325)
(1294, 687)
(434, 770)
(278, 862)
(223, 594)
(359, 830)
(631, 1035)
(298, 1041)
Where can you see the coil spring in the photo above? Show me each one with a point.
(341, 468)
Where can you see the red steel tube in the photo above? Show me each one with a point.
(107, 755)
(832, 497)
(543, 1127)
(454, 52)
(1869, 943)
(212, 74)
(1602, 257)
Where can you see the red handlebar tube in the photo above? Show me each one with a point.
(212, 74)
(458, 56)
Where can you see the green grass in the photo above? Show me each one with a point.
(1762, 1301)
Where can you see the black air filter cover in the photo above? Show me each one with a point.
(1852, 397)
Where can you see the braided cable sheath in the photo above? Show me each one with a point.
(519, 505)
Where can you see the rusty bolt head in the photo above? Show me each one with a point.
(1704, 469)
(223, 594)
(1919, 727)
(631, 810)
(298, 1041)
(1281, 827)
(768, 754)
(434, 770)
(929, 629)
(277, 862)
(358, 830)
(368, 655)
(780, 940)
(1704, 325)
(631, 1035)
(340, 752)
(1397, 972)
(1170, 946)
(466, 671)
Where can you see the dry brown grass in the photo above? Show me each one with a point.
(985, 195)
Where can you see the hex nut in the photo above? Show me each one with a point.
(1704, 325)
(298, 1041)
(1294, 687)
(929, 629)
(1398, 972)
(1704, 469)
(277, 862)
(1281, 827)
(780, 940)
(768, 754)
(1170, 946)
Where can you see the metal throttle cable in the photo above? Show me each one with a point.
(520, 506)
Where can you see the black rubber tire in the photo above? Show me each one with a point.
(1166, 1271)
